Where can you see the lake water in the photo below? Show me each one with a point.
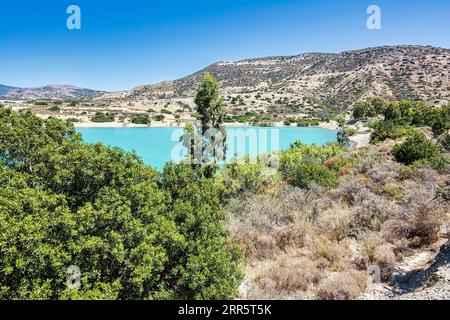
(156, 146)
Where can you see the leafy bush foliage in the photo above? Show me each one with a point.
(54, 108)
(141, 119)
(402, 114)
(342, 286)
(310, 172)
(383, 130)
(103, 117)
(445, 142)
(305, 165)
(243, 177)
(134, 233)
(418, 148)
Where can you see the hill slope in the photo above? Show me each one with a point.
(313, 82)
(60, 92)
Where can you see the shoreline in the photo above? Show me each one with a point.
(87, 125)
(360, 140)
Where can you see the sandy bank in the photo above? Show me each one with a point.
(360, 140)
(115, 124)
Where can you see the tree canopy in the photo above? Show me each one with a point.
(133, 232)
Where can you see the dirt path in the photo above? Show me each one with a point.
(360, 140)
(423, 276)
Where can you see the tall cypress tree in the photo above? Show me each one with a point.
(211, 112)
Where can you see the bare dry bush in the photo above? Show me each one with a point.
(372, 212)
(328, 253)
(351, 190)
(257, 246)
(286, 277)
(380, 211)
(420, 219)
(376, 251)
(335, 221)
(384, 173)
(344, 285)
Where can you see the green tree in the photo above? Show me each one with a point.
(378, 105)
(211, 111)
(134, 233)
(392, 112)
(439, 121)
(343, 137)
(360, 110)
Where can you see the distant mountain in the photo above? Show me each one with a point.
(312, 82)
(5, 89)
(57, 92)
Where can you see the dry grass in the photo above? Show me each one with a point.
(320, 244)
(376, 251)
(328, 253)
(345, 285)
(289, 276)
(335, 221)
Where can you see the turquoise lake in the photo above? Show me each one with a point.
(156, 146)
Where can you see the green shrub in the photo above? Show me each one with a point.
(40, 103)
(418, 149)
(445, 142)
(383, 130)
(102, 117)
(343, 136)
(73, 120)
(363, 110)
(440, 125)
(310, 172)
(159, 118)
(54, 109)
(302, 164)
(141, 119)
(392, 112)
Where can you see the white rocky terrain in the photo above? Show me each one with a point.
(425, 275)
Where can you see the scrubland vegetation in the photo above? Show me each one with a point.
(317, 239)
(310, 227)
(315, 229)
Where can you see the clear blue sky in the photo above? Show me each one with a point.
(123, 44)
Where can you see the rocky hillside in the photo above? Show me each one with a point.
(311, 83)
(56, 92)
